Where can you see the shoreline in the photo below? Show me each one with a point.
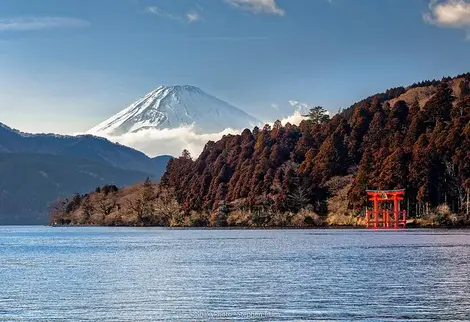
(266, 228)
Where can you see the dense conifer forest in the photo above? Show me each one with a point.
(316, 173)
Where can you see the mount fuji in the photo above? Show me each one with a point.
(171, 107)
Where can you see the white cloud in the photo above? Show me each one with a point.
(190, 17)
(193, 17)
(159, 12)
(156, 142)
(449, 13)
(295, 118)
(258, 6)
(300, 107)
(154, 10)
(39, 23)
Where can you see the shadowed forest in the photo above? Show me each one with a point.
(313, 174)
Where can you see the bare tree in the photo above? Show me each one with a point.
(165, 205)
(142, 203)
(298, 198)
(106, 204)
(58, 210)
(456, 186)
(135, 206)
(87, 208)
(468, 202)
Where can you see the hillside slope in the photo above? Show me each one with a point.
(315, 173)
(421, 144)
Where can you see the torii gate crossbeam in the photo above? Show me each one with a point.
(383, 218)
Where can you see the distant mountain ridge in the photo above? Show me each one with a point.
(170, 107)
(83, 146)
(35, 169)
(31, 181)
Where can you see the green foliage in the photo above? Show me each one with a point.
(219, 216)
(107, 189)
(318, 115)
(186, 155)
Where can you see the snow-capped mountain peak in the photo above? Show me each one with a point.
(170, 107)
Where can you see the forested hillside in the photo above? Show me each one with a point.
(416, 138)
(316, 173)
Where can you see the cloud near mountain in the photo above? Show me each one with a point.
(173, 118)
(156, 142)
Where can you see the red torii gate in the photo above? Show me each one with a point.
(383, 218)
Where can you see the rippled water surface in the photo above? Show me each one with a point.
(127, 274)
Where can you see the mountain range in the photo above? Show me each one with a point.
(171, 107)
(36, 169)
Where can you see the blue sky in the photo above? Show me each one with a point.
(67, 65)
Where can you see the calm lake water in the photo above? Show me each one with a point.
(127, 274)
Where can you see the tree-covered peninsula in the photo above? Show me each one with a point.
(311, 174)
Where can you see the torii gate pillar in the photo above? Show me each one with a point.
(383, 218)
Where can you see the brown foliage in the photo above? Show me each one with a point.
(146, 204)
(416, 138)
(394, 140)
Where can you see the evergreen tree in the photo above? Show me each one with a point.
(439, 107)
(394, 171)
(318, 115)
(185, 155)
(464, 89)
(414, 110)
(332, 158)
(362, 182)
(382, 146)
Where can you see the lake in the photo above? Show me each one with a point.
(139, 274)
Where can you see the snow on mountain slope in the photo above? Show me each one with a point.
(171, 107)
